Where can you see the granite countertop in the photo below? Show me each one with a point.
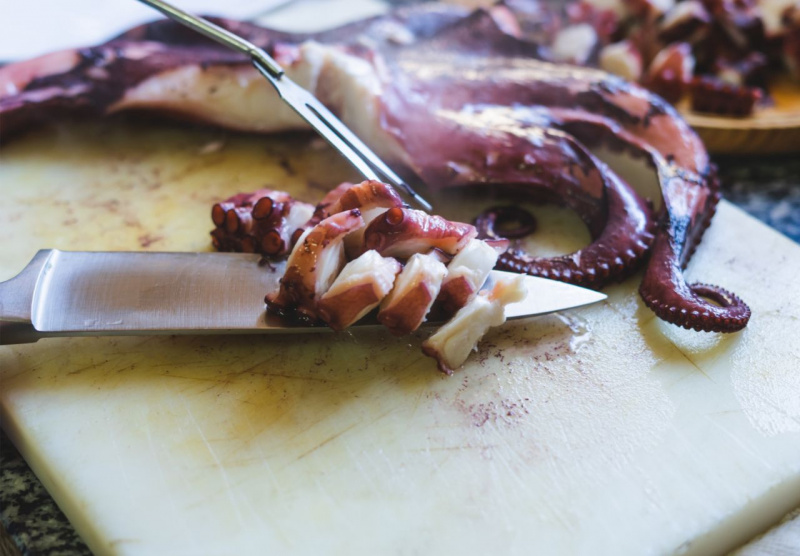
(766, 187)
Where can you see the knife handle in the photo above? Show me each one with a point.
(17, 333)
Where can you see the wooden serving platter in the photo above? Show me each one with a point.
(771, 130)
(598, 431)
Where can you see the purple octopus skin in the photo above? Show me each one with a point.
(460, 99)
(401, 233)
(312, 266)
(266, 221)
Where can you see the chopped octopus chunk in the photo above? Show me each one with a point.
(403, 232)
(314, 264)
(415, 290)
(361, 286)
(466, 273)
(372, 198)
(453, 342)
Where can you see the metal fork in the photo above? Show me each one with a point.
(303, 102)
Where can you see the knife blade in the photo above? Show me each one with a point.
(74, 293)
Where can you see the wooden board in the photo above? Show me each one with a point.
(599, 431)
(771, 130)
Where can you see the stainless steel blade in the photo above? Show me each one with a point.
(548, 296)
(65, 293)
(116, 291)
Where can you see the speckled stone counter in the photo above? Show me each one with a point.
(30, 517)
(767, 188)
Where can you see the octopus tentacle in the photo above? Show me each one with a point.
(533, 159)
(454, 69)
(403, 232)
(689, 203)
(574, 100)
(667, 294)
(166, 67)
(614, 254)
(414, 91)
(663, 287)
(267, 222)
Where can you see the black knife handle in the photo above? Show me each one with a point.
(17, 333)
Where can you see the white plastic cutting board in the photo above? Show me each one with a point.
(599, 431)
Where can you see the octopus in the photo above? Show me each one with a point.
(458, 100)
(407, 267)
(719, 55)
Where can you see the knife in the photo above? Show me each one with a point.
(74, 293)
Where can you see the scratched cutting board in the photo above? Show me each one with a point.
(599, 431)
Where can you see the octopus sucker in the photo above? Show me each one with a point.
(457, 98)
(493, 223)
(266, 221)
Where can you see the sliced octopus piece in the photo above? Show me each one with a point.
(451, 344)
(314, 264)
(359, 288)
(466, 274)
(415, 290)
(401, 233)
(372, 198)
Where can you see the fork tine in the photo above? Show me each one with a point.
(293, 95)
(340, 145)
(387, 174)
(340, 136)
(343, 131)
(303, 102)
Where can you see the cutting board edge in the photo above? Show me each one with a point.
(69, 506)
(727, 205)
(751, 521)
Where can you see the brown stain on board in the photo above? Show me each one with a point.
(146, 240)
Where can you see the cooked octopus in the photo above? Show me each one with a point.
(363, 283)
(323, 283)
(457, 98)
(721, 54)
